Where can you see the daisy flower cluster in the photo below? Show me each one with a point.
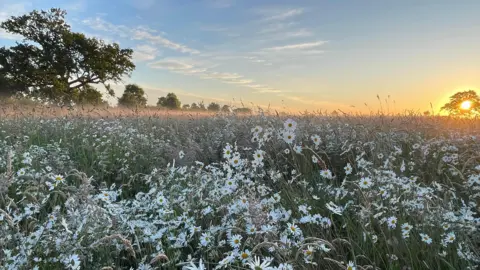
(230, 192)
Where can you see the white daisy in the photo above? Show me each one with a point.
(58, 179)
(259, 265)
(450, 238)
(21, 172)
(326, 174)
(235, 241)
(392, 222)
(235, 161)
(192, 266)
(205, 239)
(425, 238)
(257, 129)
(290, 125)
(227, 151)
(245, 255)
(348, 169)
(294, 229)
(365, 182)
(316, 139)
(258, 155)
(288, 136)
(297, 149)
(72, 262)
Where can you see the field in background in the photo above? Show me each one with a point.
(145, 189)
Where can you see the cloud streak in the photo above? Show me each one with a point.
(279, 15)
(185, 68)
(137, 33)
(145, 53)
(299, 46)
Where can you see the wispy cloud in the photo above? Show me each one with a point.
(299, 46)
(298, 33)
(78, 5)
(171, 64)
(192, 69)
(275, 14)
(314, 102)
(286, 15)
(263, 88)
(137, 33)
(145, 53)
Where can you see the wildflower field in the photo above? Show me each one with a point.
(239, 192)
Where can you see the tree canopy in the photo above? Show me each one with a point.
(226, 108)
(133, 96)
(171, 101)
(466, 103)
(213, 107)
(54, 63)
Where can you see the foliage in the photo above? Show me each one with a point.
(213, 107)
(9, 88)
(88, 95)
(171, 101)
(197, 107)
(201, 106)
(316, 193)
(54, 63)
(133, 96)
(453, 107)
(194, 107)
(226, 108)
(242, 110)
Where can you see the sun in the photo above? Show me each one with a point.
(466, 105)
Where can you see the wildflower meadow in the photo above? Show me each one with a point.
(239, 192)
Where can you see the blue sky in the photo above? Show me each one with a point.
(293, 55)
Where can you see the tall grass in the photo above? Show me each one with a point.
(94, 188)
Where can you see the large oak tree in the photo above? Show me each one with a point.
(54, 63)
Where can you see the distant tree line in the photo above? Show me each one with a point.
(134, 96)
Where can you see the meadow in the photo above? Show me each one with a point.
(116, 190)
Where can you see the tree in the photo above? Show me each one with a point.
(171, 101)
(88, 95)
(133, 96)
(226, 108)
(8, 88)
(54, 63)
(201, 106)
(213, 107)
(194, 107)
(242, 110)
(186, 107)
(466, 103)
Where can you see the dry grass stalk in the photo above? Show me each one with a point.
(107, 239)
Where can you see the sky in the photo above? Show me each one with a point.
(302, 55)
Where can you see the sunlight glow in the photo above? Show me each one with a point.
(466, 105)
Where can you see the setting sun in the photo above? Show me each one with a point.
(466, 105)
